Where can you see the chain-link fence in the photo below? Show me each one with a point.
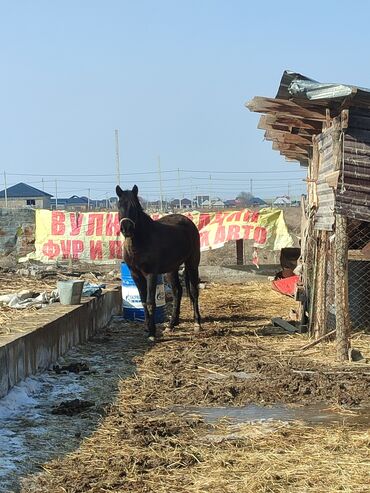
(359, 273)
(358, 277)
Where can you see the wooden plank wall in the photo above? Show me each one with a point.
(324, 218)
(353, 192)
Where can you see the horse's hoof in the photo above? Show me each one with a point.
(197, 328)
(151, 338)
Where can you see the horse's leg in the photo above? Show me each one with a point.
(173, 279)
(140, 282)
(192, 281)
(150, 303)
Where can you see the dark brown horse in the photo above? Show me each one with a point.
(159, 247)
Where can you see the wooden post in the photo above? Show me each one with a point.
(341, 287)
(311, 290)
(239, 252)
(319, 323)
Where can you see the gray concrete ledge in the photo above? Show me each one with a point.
(49, 333)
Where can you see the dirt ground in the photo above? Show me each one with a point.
(145, 444)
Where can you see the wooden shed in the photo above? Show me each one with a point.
(326, 128)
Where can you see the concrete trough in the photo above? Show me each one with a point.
(49, 333)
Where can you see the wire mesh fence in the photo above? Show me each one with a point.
(358, 233)
(359, 273)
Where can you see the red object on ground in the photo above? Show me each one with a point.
(286, 286)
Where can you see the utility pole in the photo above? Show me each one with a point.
(179, 187)
(160, 183)
(5, 191)
(289, 190)
(106, 200)
(117, 158)
(56, 194)
(43, 185)
(210, 191)
(251, 186)
(88, 199)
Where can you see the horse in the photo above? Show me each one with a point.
(159, 247)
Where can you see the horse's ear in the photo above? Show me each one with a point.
(135, 190)
(119, 191)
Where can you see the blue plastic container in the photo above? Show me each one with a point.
(132, 306)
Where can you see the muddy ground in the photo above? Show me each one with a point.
(156, 438)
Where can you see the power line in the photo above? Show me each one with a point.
(117, 158)
(113, 175)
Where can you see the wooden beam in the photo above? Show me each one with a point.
(292, 128)
(290, 121)
(287, 137)
(286, 107)
(280, 146)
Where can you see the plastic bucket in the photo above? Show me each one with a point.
(132, 306)
(70, 292)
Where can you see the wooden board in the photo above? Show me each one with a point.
(285, 325)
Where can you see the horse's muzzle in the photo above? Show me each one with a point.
(127, 227)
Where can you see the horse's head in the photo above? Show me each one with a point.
(129, 209)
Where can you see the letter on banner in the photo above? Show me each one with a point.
(233, 232)
(96, 250)
(247, 230)
(234, 216)
(204, 238)
(77, 248)
(51, 249)
(255, 216)
(58, 226)
(112, 228)
(260, 235)
(220, 235)
(76, 223)
(95, 225)
(115, 249)
(66, 248)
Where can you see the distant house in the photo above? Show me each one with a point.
(156, 205)
(231, 203)
(74, 203)
(181, 204)
(199, 200)
(283, 201)
(218, 204)
(205, 204)
(23, 195)
(256, 201)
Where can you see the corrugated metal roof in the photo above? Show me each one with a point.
(297, 86)
(22, 190)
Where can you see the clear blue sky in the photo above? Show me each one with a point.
(172, 76)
